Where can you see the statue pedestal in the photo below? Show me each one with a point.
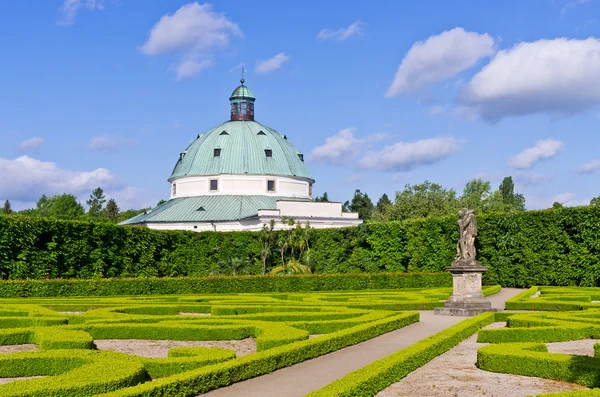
(467, 298)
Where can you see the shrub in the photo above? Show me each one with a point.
(207, 285)
(376, 376)
(521, 249)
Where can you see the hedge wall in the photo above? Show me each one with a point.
(549, 247)
(209, 285)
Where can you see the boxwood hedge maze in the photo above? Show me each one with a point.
(563, 314)
(64, 337)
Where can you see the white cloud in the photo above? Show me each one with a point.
(525, 178)
(195, 31)
(543, 149)
(107, 143)
(572, 4)
(405, 155)
(132, 198)
(237, 68)
(567, 199)
(355, 178)
(191, 67)
(31, 145)
(271, 64)
(69, 9)
(439, 58)
(590, 167)
(24, 179)
(338, 149)
(342, 33)
(552, 76)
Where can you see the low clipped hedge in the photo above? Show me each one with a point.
(533, 359)
(218, 285)
(74, 373)
(376, 376)
(520, 348)
(211, 377)
(556, 299)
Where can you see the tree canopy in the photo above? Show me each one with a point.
(7, 210)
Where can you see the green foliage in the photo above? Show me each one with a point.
(293, 266)
(511, 199)
(112, 210)
(6, 209)
(520, 348)
(267, 241)
(209, 285)
(323, 199)
(383, 202)
(124, 215)
(96, 203)
(595, 201)
(521, 249)
(556, 299)
(420, 201)
(369, 380)
(63, 206)
(231, 267)
(281, 324)
(362, 204)
(431, 199)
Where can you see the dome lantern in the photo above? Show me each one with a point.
(242, 103)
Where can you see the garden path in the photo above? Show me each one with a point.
(301, 379)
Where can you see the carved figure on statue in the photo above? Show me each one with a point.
(465, 247)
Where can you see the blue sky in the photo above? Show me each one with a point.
(377, 95)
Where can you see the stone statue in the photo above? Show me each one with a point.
(467, 298)
(465, 247)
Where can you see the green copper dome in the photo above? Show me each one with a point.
(241, 92)
(241, 147)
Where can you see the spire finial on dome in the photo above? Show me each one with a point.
(242, 79)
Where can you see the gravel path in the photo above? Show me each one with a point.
(160, 348)
(8, 380)
(454, 374)
(8, 349)
(584, 347)
(303, 378)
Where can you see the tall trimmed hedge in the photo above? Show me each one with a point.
(549, 247)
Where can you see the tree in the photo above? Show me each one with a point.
(557, 205)
(232, 267)
(476, 194)
(124, 215)
(7, 210)
(322, 199)
(293, 266)
(420, 201)
(266, 237)
(112, 210)
(512, 201)
(595, 201)
(63, 206)
(96, 203)
(161, 202)
(383, 202)
(362, 204)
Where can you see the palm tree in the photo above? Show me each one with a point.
(266, 239)
(231, 267)
(294, 266)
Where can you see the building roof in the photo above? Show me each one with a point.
(241, 92)
(215, 208)
(243, 147)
